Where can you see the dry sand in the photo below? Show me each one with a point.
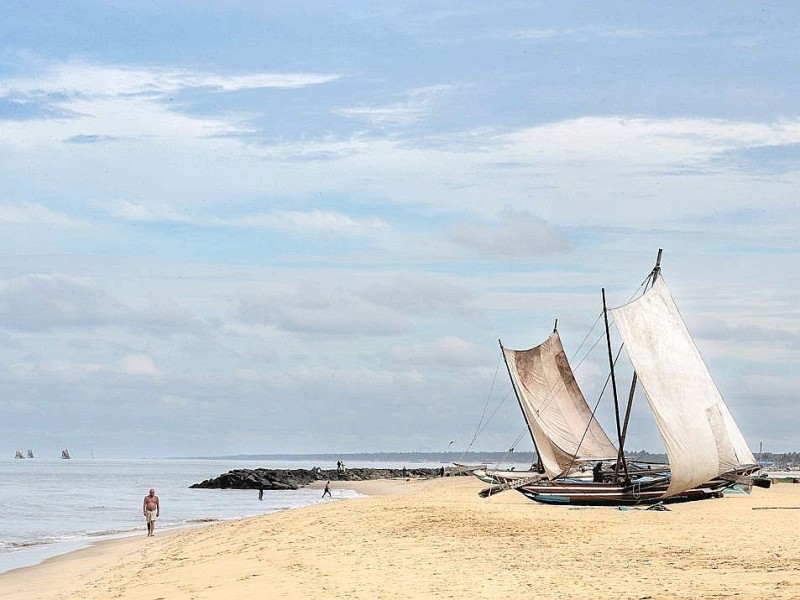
(438, 539)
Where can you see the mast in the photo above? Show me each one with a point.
(539, 465)
(657, 268)
(621, 454)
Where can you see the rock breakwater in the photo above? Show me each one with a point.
(292, 479)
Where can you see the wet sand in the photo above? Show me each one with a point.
(439, 539)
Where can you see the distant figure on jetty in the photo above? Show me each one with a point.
(152, 510)
(339, 466)
(260, 491)
(327, 490)
(441, 472)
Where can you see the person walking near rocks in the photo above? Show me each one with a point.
(327, 490)
(152, 510)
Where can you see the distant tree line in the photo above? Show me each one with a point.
(778, 460)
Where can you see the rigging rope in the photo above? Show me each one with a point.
(594, 410)
(642, 288)
(514, 445)
(483, 413)
(494, 412)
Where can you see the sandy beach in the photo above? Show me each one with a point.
(439, 539)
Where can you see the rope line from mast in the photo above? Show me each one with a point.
(483, 413)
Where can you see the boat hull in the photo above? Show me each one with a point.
(590, 493)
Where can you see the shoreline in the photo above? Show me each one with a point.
(46, 553)
(35, 555)
(439, 539)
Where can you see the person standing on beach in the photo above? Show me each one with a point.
(261, 491)
(327, 490)
(151, 509)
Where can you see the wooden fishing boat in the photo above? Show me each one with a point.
(705, 448)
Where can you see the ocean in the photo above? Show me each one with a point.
(54, 506)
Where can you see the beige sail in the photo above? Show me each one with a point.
(700, 436)
(559, 419)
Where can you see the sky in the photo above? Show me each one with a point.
(269, 227)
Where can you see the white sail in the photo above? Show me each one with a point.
(700, 436)
(559, 419)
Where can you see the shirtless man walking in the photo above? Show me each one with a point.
(151, 510)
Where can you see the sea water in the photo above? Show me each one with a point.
(53, 506)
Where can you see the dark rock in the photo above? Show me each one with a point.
(292, 479)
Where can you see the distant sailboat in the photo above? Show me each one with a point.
(65, 454)
(19, 454)
(30, 453)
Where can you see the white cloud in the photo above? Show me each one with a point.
(87, 80)
(420, 293)
(415, 107)
(355, 380)
(172, 400)
(595, 32)
(313, 308)
(640, 142)
(134, 123)
(139, 365)
(744, 332)
(310, 222)
(71, 370)
(29, 212)
(124, 210)
(41, 302)
(315, 221)
(361, 303)
(515, 234)
(446, 351)
(94, 102)
(561, 172)
(592, 170)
